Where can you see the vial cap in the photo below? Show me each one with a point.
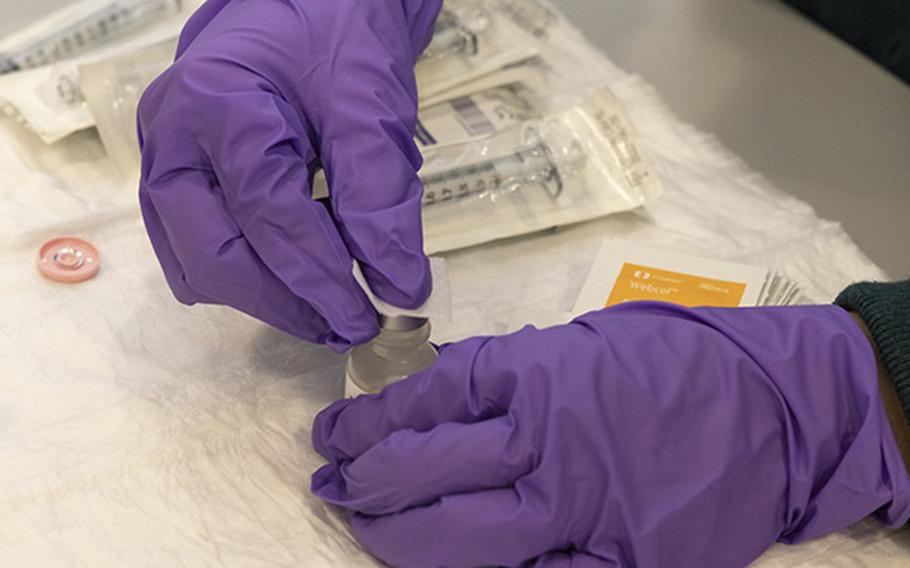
(68, 260)
(401, 323)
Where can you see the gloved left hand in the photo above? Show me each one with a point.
(263, 92)
(644, 435)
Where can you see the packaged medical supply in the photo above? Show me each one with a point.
(627, 271)
(473, 41)
(548, 158)
(574, 165)
(530, 72)
(48, 99)
(458, 30)
(78, 28)
(495, 102)
(471, 116)
(533, 16)
(112, 89)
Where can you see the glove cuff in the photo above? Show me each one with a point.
(885, 307)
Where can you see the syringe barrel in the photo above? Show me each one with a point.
(532, 164)
(112, 19)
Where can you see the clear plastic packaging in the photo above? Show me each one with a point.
(112, 89)
(574, 165)
(470, 116)
(472, 39)
(459, 29)
(533, 16)
(76, 29)
(49, 101)
(497, 101)
(549, 157)
(531, 72)
(46, 100)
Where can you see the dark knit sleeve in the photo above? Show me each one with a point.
(885, 307)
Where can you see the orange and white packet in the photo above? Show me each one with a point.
(627, 271)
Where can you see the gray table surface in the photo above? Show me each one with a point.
(812, 115)
(798, 105)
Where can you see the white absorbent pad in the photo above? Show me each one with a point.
(136, 431)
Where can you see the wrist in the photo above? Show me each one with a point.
(896, 417)
(882, 312)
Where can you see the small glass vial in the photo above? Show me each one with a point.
(401, 349)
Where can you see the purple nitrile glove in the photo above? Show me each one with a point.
(643, 435)
(263, 93)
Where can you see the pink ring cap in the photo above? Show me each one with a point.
(69, 260)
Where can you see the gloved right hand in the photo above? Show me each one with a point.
(263, 93)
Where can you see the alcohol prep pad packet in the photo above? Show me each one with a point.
(627, 271)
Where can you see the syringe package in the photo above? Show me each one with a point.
(571, 166)
(532, 16)
(473, 115)
(113, 88)
(79, 28)
(47, 100)
(472, 39)
(482, 100)
(39, 77)
(495, 102)
(473, 106)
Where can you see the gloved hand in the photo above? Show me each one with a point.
(643, 435)
(262, 93)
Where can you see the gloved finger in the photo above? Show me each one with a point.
(206, 258)
(467, 384)
(491, 528)
(259, 191)
(572, 559)
(410, 469)
(262, 157)
(371, 163)
(472, 381)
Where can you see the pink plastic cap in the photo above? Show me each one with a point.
(69, 260)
